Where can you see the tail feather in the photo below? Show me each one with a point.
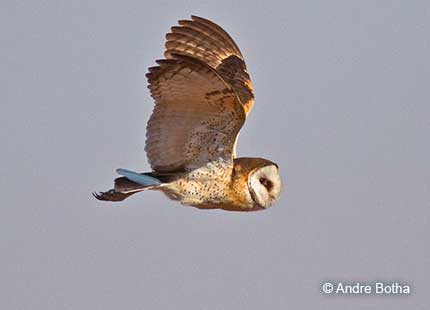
(141, 179)
(129, 184)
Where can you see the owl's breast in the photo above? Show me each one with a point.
(209, 187)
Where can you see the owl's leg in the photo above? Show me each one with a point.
(112, 195)
(125, 187)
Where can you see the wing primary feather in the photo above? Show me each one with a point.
(219, 30)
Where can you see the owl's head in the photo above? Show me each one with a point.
(263, 180)
(265, 185)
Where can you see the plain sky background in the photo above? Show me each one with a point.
(342, 105)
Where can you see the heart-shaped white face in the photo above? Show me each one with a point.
(265, 185)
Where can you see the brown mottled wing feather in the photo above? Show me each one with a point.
(196, 118)
(202, 39)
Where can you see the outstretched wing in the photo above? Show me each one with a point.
(196, 118)
(208, 42)
(202, 93)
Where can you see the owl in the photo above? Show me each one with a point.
(203, 94)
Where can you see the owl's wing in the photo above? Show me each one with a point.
(208, 42)
(202, 95)
(196, 117)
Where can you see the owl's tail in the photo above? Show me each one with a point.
(131, 183)
(142, 179)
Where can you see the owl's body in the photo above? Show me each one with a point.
(219, 185)
(203, 95)
(208, 186)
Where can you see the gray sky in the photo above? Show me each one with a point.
(342, 105)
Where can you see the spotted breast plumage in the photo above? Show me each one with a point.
(203, 94)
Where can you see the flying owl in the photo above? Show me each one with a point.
(203, 94)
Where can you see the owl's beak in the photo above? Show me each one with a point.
(257, 207)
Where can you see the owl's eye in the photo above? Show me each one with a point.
(266, 183)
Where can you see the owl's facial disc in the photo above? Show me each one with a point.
(265, 185)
